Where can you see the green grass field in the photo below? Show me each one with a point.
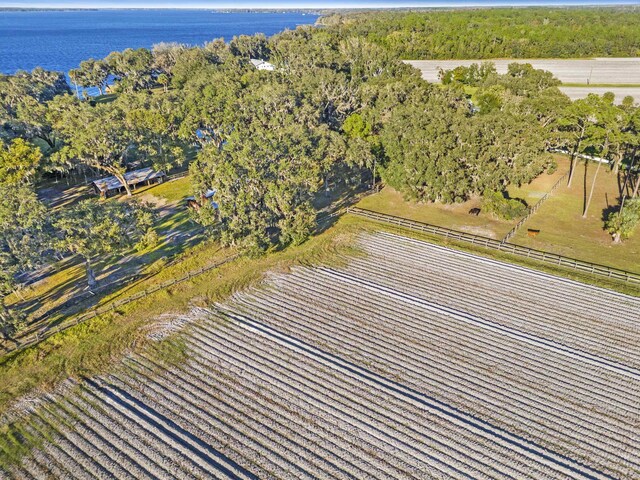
(562, 228)
(456, 216)
(564, 231)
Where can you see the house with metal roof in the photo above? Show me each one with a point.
(110, 185)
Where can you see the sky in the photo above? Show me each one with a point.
(290, 3)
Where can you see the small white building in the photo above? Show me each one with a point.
(262, 65)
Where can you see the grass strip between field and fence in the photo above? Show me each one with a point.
(479, 240)
(72, 321)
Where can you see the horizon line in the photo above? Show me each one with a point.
(329, 6)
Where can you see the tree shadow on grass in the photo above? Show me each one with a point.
(608, 211)
(114, 273)
(69, 287)
(342, 197)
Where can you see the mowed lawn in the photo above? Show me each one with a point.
(456, 216)
(564, 231)
(562, 228)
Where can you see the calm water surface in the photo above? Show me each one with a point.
(59, 40)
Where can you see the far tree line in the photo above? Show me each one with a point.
(338, 111)
(540, 32)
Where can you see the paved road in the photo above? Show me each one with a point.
(575, 93)
(593, 70)
(621, 71)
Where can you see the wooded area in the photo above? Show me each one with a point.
(500, 32)
(339, 109)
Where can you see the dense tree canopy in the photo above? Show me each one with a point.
(23, 104)
(25, 236)
(91, 229)
(340, 105)
(91, 73)
(499, 32)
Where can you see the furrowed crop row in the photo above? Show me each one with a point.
(209, 379)
(581, 290)
(51, 466)
(463, 317)
(55, 454)
(418, 378)
(116, 446)
(528, 304)
(124, 458)
(87, 448)
(276, 406)
(204, 459)
(414, 415)
(34, 470)
(146, 449)
(417, 331)
(341, 432)
(431, 274)
(83, 450)
(403, 415)
(505, 276)
(364, 300)
(528, 430)
(360, 307)
(555, 375)
(154, 431)
(342, 414)
(371, 441)
(256, 436)
(531, 452)
(373, 323)
(540, 319)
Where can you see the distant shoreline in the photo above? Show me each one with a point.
(220, 10)
(329, 10)
(30, 36)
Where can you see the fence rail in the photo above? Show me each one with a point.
(178, 175)
(546, 257)
(39, 335)
(533, 209)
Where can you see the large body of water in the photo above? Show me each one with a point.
(60, 40)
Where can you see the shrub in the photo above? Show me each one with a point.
(621, 224)
(503, 207)
(11, 322)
